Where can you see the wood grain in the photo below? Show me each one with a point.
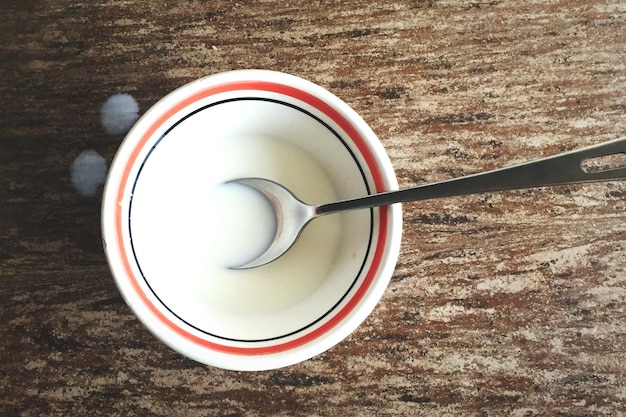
(501, 304)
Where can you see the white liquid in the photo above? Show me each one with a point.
(241, 222)
(188, 227)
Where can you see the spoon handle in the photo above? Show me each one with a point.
(565, 168)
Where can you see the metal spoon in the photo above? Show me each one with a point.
(292, 215)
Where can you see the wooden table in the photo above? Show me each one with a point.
(501, 304)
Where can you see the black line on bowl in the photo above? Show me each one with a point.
(352, 154)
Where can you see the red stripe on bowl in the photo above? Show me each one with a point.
(361, 145)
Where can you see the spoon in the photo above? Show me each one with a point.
(292, 215)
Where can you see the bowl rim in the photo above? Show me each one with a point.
(236, 355)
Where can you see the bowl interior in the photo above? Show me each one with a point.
(172, 218)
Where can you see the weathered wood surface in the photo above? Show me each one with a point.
(501, 304)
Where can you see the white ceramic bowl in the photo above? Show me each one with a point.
(161, 243)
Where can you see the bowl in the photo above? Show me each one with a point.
(171, 227)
